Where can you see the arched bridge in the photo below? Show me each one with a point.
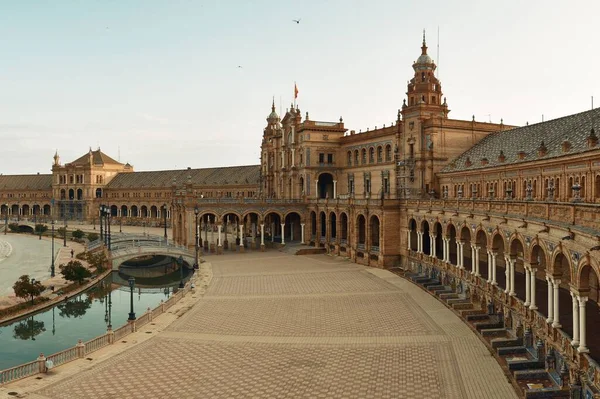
(128, 247)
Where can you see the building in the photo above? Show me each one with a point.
(514, 220)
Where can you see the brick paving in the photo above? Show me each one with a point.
(295, 327)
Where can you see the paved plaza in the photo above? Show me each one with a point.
(274, 325)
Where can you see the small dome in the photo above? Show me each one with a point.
(273, 115)
(424, 59)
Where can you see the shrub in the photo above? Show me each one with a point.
(78, 234)
(14, 227)
(74, 271)
(61, 231)
(40, 228)
(93, 236)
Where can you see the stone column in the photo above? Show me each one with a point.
(477, 248)
(219, 240)
(433, 250)
(262, 237)
(494, 255)
(334, 189)
(317, 189)
(460, 260)
(550, 300)
(512, 277)
(489, 266)
(241, 237)
(532, 305)
(556, 322)
(575, 341)
(527, 286)
(301, 233)
(408, 240)
(507, 274)
(582, 333)
(283, 233)
(444, 250)
(419, 246)
(472, 259)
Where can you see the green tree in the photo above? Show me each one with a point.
(40, 229)
(28, 329)
(78, 234)
(74, 271)
(26, 288)
(97, 260)
(93, 236)
(61, 231)
(13, 227)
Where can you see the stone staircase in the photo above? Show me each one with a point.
(301, 249)
(526, 364)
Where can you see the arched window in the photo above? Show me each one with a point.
(371, 155)
(349, 158)
(388, 153)
(379, 154)
(364, 156)
(355, 157)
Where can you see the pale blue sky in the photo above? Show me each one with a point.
(159, 79)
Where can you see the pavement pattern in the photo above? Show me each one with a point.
(273, 325)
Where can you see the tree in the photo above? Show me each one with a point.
(14, 227)
(78, 234)
(40, 228)
(26, 288)
(61, 231)
(93, 236)
(97, 260)
(74, 271)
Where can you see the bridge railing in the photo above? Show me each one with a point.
(81, 350)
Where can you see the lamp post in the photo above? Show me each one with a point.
(32, 283)
(65, 226)
(108, 215)
(180, 263)
(34, 217)
(101, 227)
(6, 220)
(52, 265)
(165, 219)
(196, 211)
(131, 286)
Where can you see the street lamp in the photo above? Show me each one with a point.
(101, 225)
(33, 284)
(65, 226)
(52, 265)
(164, 207)
(196, 212)
(131, 286)
(180, 263)
(6, 220)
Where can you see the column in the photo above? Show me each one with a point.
(459, 247)
(550, 300)
(408, 239)
(219, 241)
(477, 248)
(302, 233)
(283, 233)
(532, 305)
(334, 189)
(262, 235)
(317, 189)
(432, 245)
(241, 236)
(582, 342)
(556, 322)
(512, 277)
(489, 266)
(527, 286)
(212, 230)
(444, 250)
(575, 340)
(507, 274)
(494, 255)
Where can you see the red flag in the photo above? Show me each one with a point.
(295, 91)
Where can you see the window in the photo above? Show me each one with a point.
(371, 155)
(432, 99)
(329, 158)
(349, 158)
(379, 154)
(321, 157)
(388, 153)
(422, 76)
(386, 186)
(364, 156)
(368, 185)
(355, 157)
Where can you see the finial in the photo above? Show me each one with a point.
(341, 119)
(473, 118)
(502, 121)
(424, 46)
(273, 106)
(306, 115)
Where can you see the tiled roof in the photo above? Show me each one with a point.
(98, 157)
(528, 139)
(26, 182)
(232, 175)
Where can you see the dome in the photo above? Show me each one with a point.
(273, 115)
(424, 59)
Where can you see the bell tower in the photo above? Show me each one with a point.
(424, 91)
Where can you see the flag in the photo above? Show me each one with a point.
(295, 91)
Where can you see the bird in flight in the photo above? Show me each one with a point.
(239, 66)
(296, 20)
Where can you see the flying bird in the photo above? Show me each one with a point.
(296, 20)
(239, 66)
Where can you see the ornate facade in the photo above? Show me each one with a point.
(514, 220)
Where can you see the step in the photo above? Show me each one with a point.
(487, 325)
(533, 374)
(505, 341)
(552, 392)
(477, 317)
(452, 301)
(431, 283)
(436, 287)
(521, 365)
(512, 350)
(448, 295)
(467, 312)
(493, 332)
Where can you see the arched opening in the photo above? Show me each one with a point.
(413, 237)
(597, 187)
(425, 237)
(293, 230)
(332, 225)
(71, 194)
(153, 211)
(114, 211)
(589, 283)
(144, 211)
(124, 211)
(273, 221)
(325, 186)
(465, 236)
(562, 271)
(516, 255)
(36, 210)
(47, 209)
(79, 194)
(98, 193)
(356, 158)
(63, 194)
(481, 243)
(313, 226)
(439, 243)
(538, 262)
(388, 153)
(362, 231)
(3, 209)
(134, 211)
(301, 184)
(374, 230)
(498, 253)
(25, 211)
(344, 227)
(380, 154)
(364, 156)
(451, 233)
(14, 210)
(323, 226)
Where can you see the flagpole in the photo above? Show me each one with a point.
(295, 94)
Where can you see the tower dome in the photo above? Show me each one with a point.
(273, 117)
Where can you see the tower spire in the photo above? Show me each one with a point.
(273, 106)
(424, 46)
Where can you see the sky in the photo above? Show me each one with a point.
(184, 83)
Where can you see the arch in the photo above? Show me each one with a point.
(322, 225)
(388, 153)
(47, 209)
(3, 209)
(561, 266)
(113, 210)
(313, 224)
(356, 158)
(498, 248)
(134, 211)
(332, 225)
(379, 154)
(124, 211)
(272, 220)
(451, 235)
(98, 193)
(363, 154)
(412, 228)
(79, 194)
(371, 155)
(325, 185)
(144, 211)
(153, 211)
(439, 246)
(375, 231)
(362, 231)
(293, 228)
(465, 237)
(14, 209)
(36, 209)
(63, 194)
(71, 194)
(25, 210)
(425, 237)
(481, 242)
(517, 253)
(349, 156)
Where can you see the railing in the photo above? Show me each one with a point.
(374, 249)
(361, 247)
(64, 356)
(18, 372)
(97, 343)
(121, 332)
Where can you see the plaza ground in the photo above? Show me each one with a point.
(275, 325)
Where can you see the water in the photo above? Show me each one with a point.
(84, 317)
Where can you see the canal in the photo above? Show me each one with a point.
(84, 317)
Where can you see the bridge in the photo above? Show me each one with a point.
(125, 247)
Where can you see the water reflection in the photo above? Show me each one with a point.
(28, 329)
(75, 307)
